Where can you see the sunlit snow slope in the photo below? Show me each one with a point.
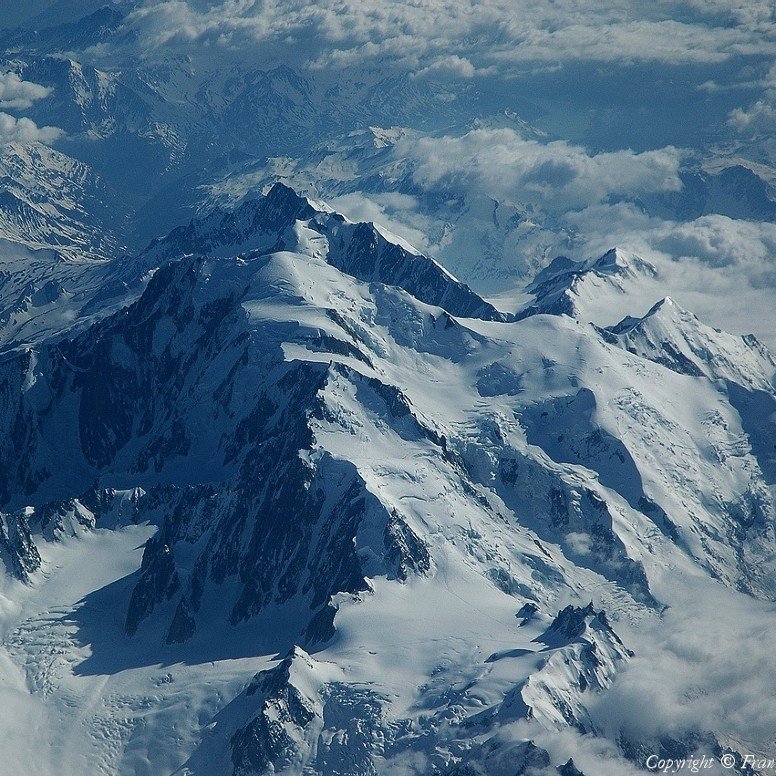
(308, 504)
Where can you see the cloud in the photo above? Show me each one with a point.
(469, 36)
(644, 40)
(25, 130)
(743, 250)
(554, 176)
(721, 268)
(704, 666)
(18, 94)
(452, 65)
(719, 241)
(759, 119)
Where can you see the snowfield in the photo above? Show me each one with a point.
(281, 495)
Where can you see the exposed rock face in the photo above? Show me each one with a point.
(305, 719)
(569, 769)
(275, 739)
(17, 549)
(314, 448)
(57, 520)
(158, 582)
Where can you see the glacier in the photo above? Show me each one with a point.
(408, 415)
(409, 507)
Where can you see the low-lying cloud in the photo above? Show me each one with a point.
(25, 130)
(758, 120)
(552, 176)
(16, 93)
(706, 666)
(468, 36)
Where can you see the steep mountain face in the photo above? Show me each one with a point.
(50, 200)
(364, 251)
(59, 223)
(330, 450)
(576, 289)
(740, 367)
(674, 337)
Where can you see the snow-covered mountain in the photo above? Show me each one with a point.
(585, 290)
(51, 200)
(493, 239)
(372, 511)
(335, 437)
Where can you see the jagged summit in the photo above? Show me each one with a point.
(283, 220)
(250, 226)
(665, 308)
(676, 338)
(568, 287)
(617, 261)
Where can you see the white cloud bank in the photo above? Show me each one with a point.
(758, 120)
(16, 93)
(468, 36)
(25, 130)
(580, 204)
(554, 176)
(706, 666)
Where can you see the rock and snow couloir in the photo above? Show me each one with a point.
(356, 472)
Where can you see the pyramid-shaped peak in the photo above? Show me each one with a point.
(620, 261)
(667, 307)
(281, 195)
(613, 257)
(666, 303)
(282, 198)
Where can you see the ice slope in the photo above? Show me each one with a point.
(322, 469)
(676, 338)
(597, 290)
(741, 367)
(59, 226)
(92, 700)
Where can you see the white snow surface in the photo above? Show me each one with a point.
(543, 461)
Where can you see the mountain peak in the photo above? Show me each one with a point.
(618, 261)
(675, 337)
(613, 258)
(568, 287)
(279, 195)
(283, 220)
